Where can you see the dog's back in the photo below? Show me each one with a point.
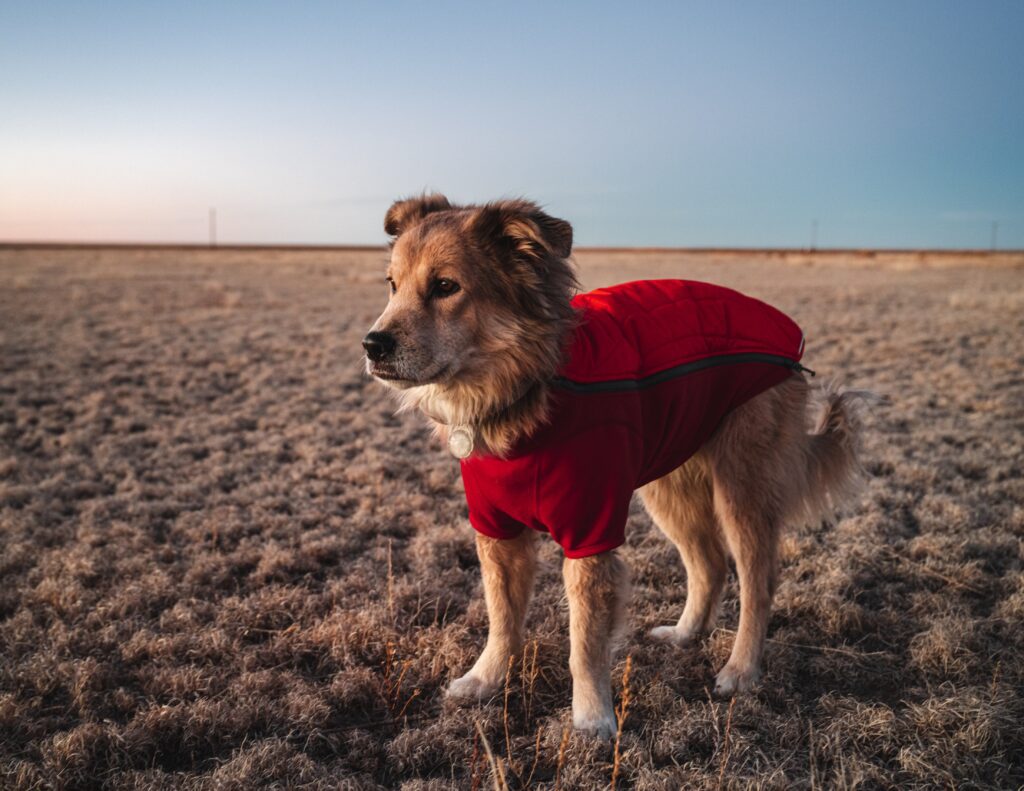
(652, 370)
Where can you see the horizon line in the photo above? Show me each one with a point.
(313, 247)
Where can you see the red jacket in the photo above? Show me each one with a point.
(652, 369)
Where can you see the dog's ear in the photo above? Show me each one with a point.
(525, 228)
(406, 213)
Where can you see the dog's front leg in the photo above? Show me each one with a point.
(598, 591)
(508, 567)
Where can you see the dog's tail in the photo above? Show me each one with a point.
(833, 452)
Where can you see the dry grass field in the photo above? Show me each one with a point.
(226, 563)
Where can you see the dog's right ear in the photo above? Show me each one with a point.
(521, 224)
(406, 213)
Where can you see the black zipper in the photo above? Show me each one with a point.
(627, 385)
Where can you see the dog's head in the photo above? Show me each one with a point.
(471, 288)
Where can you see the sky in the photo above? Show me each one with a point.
(887, 124)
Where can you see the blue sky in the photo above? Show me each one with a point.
(890, 123)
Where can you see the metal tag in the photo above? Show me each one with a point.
(460, 442)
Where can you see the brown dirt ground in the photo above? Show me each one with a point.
(225, 562)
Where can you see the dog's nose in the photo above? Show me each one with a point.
(379, 345)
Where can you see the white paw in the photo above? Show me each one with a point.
(731, 681)
(472, 688)
(673, 635)
(603, 726)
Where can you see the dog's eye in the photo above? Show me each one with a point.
(445, 287)
(391, 285)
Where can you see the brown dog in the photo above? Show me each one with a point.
(473, 334)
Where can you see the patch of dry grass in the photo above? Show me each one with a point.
(201, 497)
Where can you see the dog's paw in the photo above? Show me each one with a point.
(602, 726)
(472, 688)
(731, 681)
(673, 635)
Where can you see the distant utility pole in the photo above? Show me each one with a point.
(213, 227)
(814, 234)
(995, 230)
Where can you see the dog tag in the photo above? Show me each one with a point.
(460, 442)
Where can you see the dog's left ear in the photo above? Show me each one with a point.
(406, 213)
(528, 230)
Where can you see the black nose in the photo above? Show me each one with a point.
(379, 345)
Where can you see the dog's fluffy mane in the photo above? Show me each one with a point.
(527, 276)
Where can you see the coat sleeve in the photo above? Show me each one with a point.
(585, 486)
(486, 514)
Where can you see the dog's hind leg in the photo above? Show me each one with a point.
(752, 540)
(598, 591)
(756, 459)
(508, 567)
(681, 505)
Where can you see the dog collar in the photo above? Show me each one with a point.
(462, 436)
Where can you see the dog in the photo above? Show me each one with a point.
(538, 390)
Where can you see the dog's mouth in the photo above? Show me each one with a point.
(387, 373)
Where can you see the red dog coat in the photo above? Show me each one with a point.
(652, 369)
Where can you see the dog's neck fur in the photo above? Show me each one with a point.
(508, 399)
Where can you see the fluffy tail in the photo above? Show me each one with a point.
(835, 471)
